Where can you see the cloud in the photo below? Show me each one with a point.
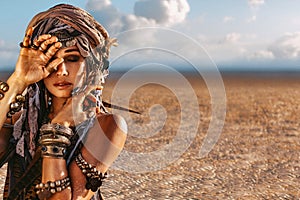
(167, 12)
(252, 19)
(262, 55)
(227, 19)
(287, 47)
(2, 43)
(98, 5)
(255, 3)
(232, 37)
(129, 28)
(147, 13)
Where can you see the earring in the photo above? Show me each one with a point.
(48, 99)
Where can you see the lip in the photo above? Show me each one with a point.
(62, 85)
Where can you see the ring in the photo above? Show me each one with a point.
(22, 45)
(34, 47)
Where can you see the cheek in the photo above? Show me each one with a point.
(47, 82)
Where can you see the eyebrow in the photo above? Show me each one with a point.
(71, 50)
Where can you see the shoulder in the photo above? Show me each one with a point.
(112, 122)
(107, 138)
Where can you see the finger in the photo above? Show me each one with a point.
(44, 44)
(52, 66)
(26, 40)
(37, 42)
(53, 49)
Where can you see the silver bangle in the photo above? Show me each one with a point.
(56, 129)
(54, 139)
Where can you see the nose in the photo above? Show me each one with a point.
(62, 70)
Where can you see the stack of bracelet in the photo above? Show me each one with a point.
(14, 106)
(54, 139)
(93, 177)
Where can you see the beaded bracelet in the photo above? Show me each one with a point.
(93, 177)
(45, 190)
(3, 88)
(16, 106)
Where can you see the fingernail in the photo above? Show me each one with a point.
(58, 44)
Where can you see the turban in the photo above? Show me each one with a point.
(75, 26)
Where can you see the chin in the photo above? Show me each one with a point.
(62, 94)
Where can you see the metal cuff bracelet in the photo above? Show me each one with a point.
(56, 129)
(54, 139)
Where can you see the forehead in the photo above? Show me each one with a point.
(68, 50)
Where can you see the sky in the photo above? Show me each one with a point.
(232, 34)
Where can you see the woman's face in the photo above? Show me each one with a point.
(69, 74)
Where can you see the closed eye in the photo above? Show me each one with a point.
(72, 58)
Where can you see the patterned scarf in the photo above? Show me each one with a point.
(28, 136)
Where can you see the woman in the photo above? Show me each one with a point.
(56, 135)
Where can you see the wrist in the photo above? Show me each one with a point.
(16, 83)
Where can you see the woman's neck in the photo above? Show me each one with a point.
(56, 106)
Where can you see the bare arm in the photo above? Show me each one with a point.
(104, 143)
(32, 66)
(16, 86)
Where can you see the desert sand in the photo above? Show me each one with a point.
(257, 155)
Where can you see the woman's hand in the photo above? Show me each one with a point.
(78, 108)
(35, 60)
